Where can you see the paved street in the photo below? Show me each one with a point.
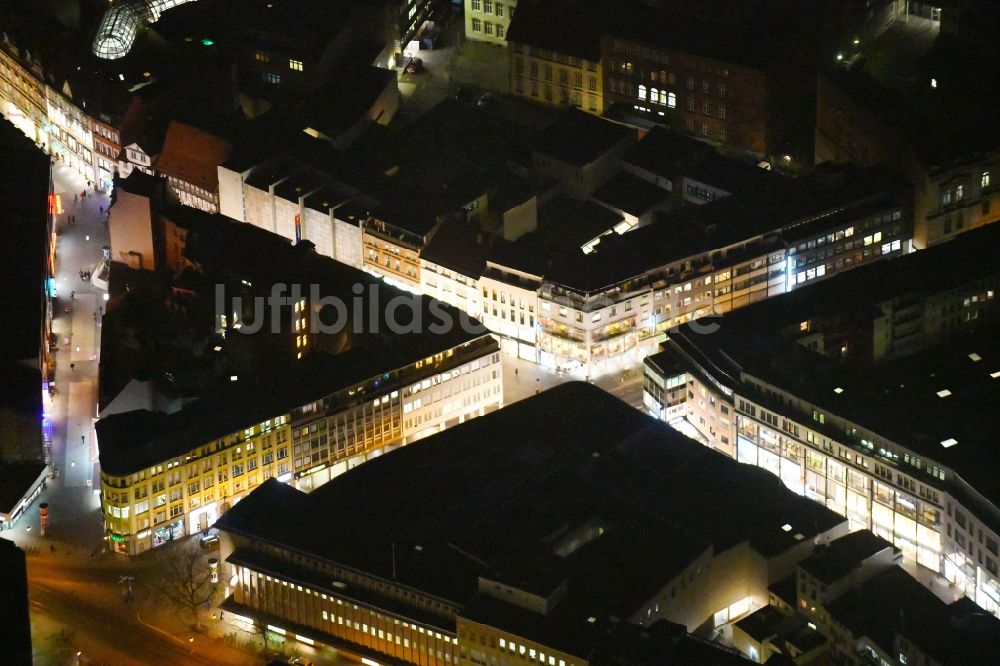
(522, 379)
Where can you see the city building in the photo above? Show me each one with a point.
(605, 310)
(555, 55)
(692, 171)
(587, 518)
(863, 393)
(581, 152)
(927, 115)
(488, 21)
(894, 619)
(190, 160)
(300, 403)
(852, 604)
(27, 361)
(14, 604)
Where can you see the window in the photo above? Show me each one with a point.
(690, 83)
(477, 25)
(691, 103)
(705, 130)
(706, 108)
(706, 87)
(722, 90)
(672, 100)
(984, 179)
(260, 56)
(591, 83)
(488, 6)
(499, 12)
(959, 192)
(642, 92)
(500, 32)
(295, 64)
(487, 28)
(272, 78)
(477, 5)
(722, 111)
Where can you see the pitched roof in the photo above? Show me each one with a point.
(193, 155)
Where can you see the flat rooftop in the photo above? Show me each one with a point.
(832, 562)
(233, 252)
(24, 189)
(930, 402)
(522, 484)
(579, 138)
(894, 602)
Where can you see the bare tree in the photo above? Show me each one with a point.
(184, 578)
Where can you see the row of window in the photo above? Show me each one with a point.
(490, 7)
(488, 28)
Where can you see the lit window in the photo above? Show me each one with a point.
(984, 180)
(272, 78)
(642, 92)
(295, 64)
(477, 25)
(260, 56)
(672, 100)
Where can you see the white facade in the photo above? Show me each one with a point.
(450, 286)
(896, 500)
(509, 309)
(134, 157)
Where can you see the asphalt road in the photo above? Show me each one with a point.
(100, 631)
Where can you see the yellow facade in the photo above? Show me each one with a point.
(396, 261)
(487, 20)
(485, 644)
(144, 509)
(556, 79)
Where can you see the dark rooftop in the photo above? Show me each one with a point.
(898, 400)
(823, 198)
(561, 26)
(578, 138)
(15, 480)
(232, 252)
(630, 194)
(538, 469)
(459, 247)
(672, 155)
(832, 562)
(894, 602)
(14, 604)
(24, 189)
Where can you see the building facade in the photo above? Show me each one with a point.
(556, 79)
(487, 21)
(880, 477)
(704, 97)
(305, 445)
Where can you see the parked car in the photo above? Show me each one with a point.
(209, 539)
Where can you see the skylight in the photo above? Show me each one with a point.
(948, 443)
(786, 527)
(975, 357)
(943, 393)
(838, 390)
(799, 536)
(995, 375)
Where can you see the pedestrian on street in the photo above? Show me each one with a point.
(72, 294)
(72, 367)
(76, 198)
